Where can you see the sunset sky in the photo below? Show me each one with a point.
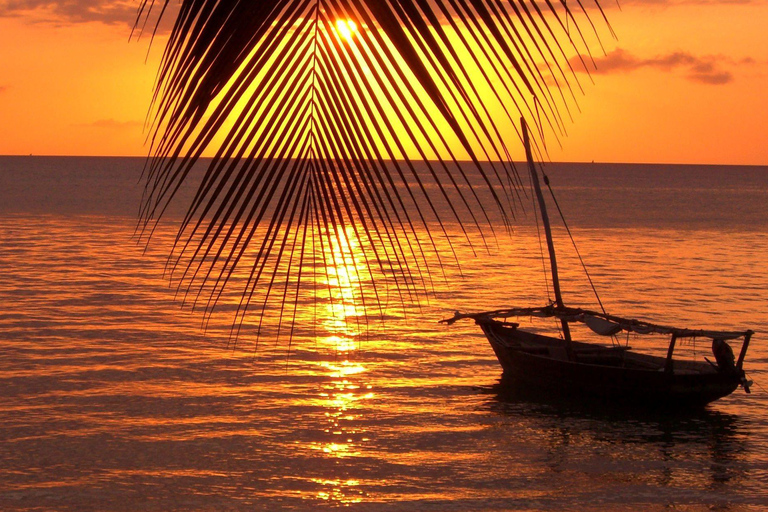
(685, 82)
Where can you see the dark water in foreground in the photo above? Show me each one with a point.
(113, 399)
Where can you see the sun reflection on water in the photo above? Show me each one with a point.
(338, 491)
(342, 400)
(342, 322)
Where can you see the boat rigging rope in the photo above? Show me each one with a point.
(754, 383)
(568, 230)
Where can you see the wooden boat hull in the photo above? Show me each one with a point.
(542, 364)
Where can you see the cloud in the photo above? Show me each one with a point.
(706, 70)
(110, 12)
(67, 11)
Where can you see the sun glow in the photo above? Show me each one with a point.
(346, 29)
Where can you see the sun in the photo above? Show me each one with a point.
(346, 28)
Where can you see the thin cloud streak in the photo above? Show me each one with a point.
(613, 6)
(674, 3)
(113, 124)
(705, 70)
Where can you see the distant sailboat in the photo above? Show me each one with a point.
(564, 366)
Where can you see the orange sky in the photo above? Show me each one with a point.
(684, 83)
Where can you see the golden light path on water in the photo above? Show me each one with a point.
(114, 399)
(342, 395)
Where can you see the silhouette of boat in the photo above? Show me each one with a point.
(615, 372)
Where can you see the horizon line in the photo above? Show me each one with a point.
(521, 161)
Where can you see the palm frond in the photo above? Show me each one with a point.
(339, 152)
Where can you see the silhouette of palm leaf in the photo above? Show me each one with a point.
(339, 148)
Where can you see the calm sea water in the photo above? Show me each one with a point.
(112, 398)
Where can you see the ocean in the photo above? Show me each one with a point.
(114, 397)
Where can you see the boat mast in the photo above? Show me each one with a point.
(547, 228)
